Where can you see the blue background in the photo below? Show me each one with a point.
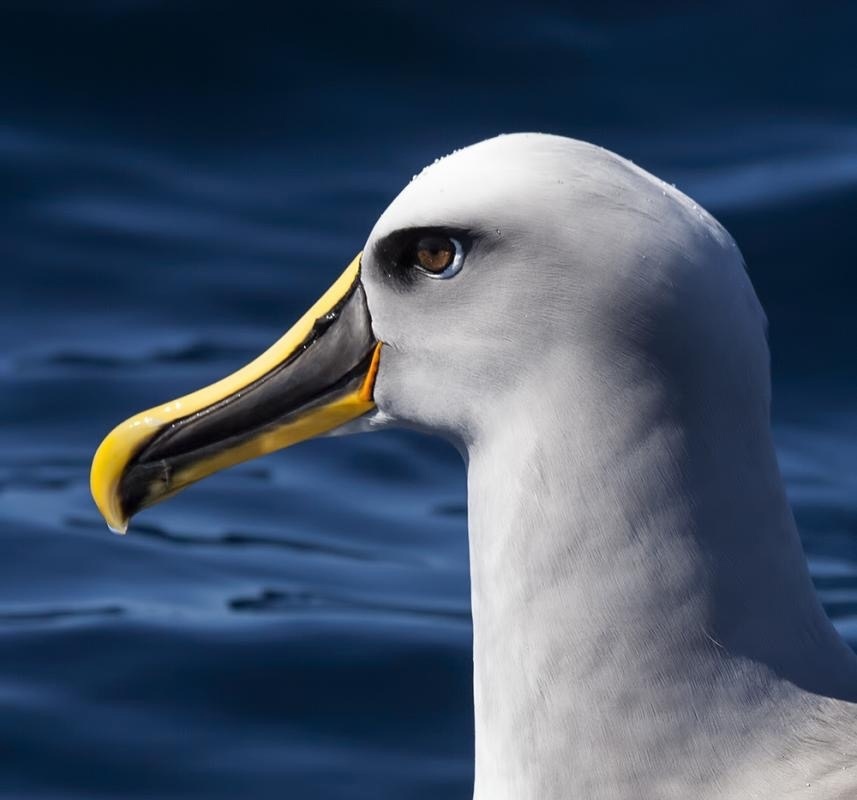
(178, 181)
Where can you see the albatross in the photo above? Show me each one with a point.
(644, 623)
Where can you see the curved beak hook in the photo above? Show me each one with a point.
(317, 377)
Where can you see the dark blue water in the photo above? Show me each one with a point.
(178, 181)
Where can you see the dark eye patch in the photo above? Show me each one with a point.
(398, 254)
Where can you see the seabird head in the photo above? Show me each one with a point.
(521, 261)
(566, 258)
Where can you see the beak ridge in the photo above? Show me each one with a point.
(317, 377)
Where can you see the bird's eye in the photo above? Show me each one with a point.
(438, 256)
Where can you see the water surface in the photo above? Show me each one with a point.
(180, 182)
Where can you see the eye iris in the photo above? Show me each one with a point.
(435, 253)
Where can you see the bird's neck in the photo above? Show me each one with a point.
(640, 598)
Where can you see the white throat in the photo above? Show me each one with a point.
(624, 644)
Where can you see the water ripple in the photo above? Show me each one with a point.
(278, 600)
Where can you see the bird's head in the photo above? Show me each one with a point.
(520, 261)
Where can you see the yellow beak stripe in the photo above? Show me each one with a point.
(126, 440)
